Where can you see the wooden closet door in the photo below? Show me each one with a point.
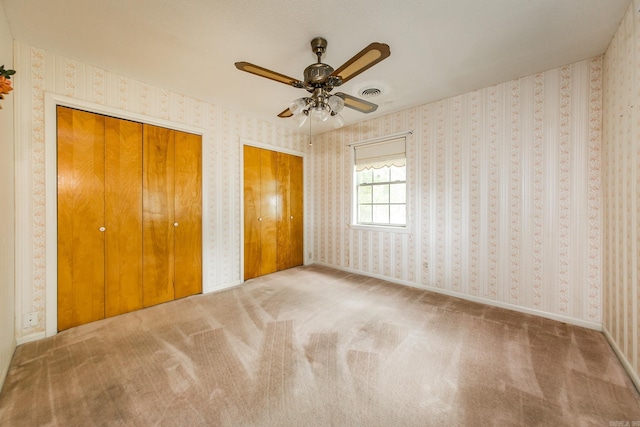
(251, 212)
(188, 214)
(284, 220)
(268, 212)
(81, 176)
(158, 215)
(296, 210)
(123, 216)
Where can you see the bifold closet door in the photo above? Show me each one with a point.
(268, 212)
(296, 211)
(252, 203)
(158, 213)
(272, 211)
(172, 215)
(188, 214)
(81, 208)
(123, 216)
(260, 212)
(290, 214)
(129, 216)
(284, 202)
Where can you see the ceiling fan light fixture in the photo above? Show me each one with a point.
(336, 104)
(297, 106)
(321, 113)
(338, 121)
(302, 118)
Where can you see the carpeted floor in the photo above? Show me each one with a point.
(313, 346)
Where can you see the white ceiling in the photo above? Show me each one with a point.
(439, 48)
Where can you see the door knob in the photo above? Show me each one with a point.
(291, 216)
(259, 219)
(175, 224)
(102, 229)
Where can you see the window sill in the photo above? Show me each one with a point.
(382, 228)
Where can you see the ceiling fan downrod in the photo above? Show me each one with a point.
(319, 47)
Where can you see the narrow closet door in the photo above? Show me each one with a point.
(284, 202)
(296, 211)
(158, 215)
(81, 175)
(251, 212)
(268, 212)
(188, 214)
(123, 214)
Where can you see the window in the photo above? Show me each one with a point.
(381, 183)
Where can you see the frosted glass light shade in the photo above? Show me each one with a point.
(338, 121)
(336, 103)
(320, 114)
(298, 105)
(302, 119)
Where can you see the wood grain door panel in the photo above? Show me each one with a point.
(188, 214)
(296, 210)
(123, 215)
(273, 214)
(268, 212)
(283, 218)
(158, 215)
(251, 212)
(81, 175)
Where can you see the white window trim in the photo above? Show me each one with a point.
(405, 229)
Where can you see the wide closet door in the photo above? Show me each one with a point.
(129, 216)
(273, 215)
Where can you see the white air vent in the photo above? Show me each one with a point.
(370, 92)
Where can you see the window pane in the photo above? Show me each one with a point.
(381, 214)
(381, 175)
(380, 194)
(364, 213)
(398, 173)
(364, 194)
(398, 214)
(398, 193)
(365, 176)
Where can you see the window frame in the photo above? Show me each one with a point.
(388, 204)
(402, 229)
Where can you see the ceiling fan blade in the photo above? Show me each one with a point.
(286, 113)
(263, 72)
(357, 103)
(365, 59)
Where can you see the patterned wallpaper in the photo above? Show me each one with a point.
(504, 206)
(504, 200)
(621, 190)
(42, 71)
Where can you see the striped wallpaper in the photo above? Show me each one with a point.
(42, 71)
(621, 191)
(504, 199)
(504, 204)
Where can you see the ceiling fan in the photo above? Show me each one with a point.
(320, 79)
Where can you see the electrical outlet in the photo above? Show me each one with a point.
(309, 255)
(30, 320)
(425, 265)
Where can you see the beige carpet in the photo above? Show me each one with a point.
(313, 346)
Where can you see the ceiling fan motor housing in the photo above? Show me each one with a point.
(317, 74)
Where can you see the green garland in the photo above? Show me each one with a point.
(6, 73)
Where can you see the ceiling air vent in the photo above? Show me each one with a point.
(370, 92)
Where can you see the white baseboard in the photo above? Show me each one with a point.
(29, 338)
(564, 319)
(627, 366)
